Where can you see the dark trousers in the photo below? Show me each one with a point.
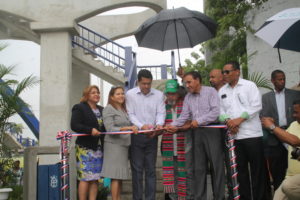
(250, 151)
(189, 164)
(143, 152)
(208, 148)
(277, 158)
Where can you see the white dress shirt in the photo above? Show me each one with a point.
(280, 103)
(145, 109)
(242, 100)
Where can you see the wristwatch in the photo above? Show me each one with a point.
(272, 127)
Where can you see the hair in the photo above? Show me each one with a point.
(296, 102)
(86, 92)
(194, 74)
(144, 73)
(181, 92)
(234, 64)
(111, 94)
(275, 72)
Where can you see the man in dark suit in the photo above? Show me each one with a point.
(277, 104)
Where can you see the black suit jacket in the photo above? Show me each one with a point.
(83, 120)
(269, 109)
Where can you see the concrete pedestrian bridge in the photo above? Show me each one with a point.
(65, 69)
(75, 41)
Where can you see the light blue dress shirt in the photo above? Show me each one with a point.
(145, 109)
(280, 103)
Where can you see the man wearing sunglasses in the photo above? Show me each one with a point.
(240, 106)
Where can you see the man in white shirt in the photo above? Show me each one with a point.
(146, 110)
(240, 107)
(277, 104)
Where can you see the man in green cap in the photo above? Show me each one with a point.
(173, 145)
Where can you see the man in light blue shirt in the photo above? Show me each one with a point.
(146, 110)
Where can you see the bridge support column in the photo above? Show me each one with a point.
(55, 86)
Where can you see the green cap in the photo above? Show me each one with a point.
(171, 86)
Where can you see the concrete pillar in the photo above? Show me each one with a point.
(80, 80)
(56, 63)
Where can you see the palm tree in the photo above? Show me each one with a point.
(10, 104)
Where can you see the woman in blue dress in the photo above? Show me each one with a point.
(87, 118)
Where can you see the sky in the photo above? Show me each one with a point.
(25, 56)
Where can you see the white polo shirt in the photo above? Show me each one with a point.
(242, 100)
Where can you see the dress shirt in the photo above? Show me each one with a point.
(280, 103)
(244, 100)
(204, 107)
(145, 109)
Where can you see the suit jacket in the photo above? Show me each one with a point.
(269, 109)
(83, 120)
(114, 120)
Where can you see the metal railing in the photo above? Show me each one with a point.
(162, 71)
(100, 47)
(119, 57)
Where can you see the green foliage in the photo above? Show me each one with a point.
(260, 80)
(5, 175)
(17, 193)
(10, 104)
(229, 43)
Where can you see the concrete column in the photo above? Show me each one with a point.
(56, 63)
(80, 80)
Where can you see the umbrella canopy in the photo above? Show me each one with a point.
(174, 29)
(282, 30)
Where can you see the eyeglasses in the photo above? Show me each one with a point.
(227, 71)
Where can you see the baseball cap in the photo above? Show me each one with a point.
(171, 86)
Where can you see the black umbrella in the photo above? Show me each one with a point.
(175, 29)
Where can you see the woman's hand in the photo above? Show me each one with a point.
(95, 132)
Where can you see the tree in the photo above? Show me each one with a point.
(230, 41)
(10, 104)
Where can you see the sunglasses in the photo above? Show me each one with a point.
(227, 71)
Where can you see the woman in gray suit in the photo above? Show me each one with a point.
(115, 164)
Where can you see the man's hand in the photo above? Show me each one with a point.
(158, 130)
(171, 129)
(267, 122)
(186, 126)
(194, 124)
(234, 131)
(234, 123)
(95, 132)
(147, 127)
